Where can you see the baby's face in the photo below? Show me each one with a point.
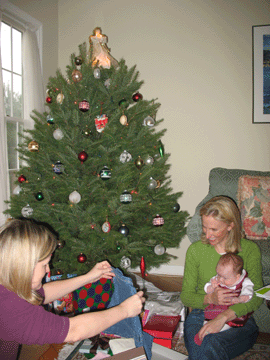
(226, 276)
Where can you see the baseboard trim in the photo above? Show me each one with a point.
(163, 270)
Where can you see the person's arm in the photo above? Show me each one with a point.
(215, 325)
(189, 295)
(246, 292)
(56, 289)
(90, 324)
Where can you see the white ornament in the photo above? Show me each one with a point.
(123, 120)
(125, 157)
(125, 262)
(27, 211)
(97, 73)
(58, 134)
(75, 197)
(106, 227)
(17, 190)
(60, 98)
(159, 250)
(107, 83)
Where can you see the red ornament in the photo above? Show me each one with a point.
(48, 99)
(158, 220)
(21, 178)
(84, 106)
(142, 266)
(136, 97)
(82, 156)
(81, 258)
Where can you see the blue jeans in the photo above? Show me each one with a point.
(130, 327)
(224, 345)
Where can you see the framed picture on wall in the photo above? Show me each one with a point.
(261, 74)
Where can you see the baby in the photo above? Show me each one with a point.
(230, 275)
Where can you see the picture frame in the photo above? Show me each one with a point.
(261, 73)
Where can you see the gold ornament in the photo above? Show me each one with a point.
(33, 146)
(123, 120)
(139, 162)
(60, 98)
(76, 76)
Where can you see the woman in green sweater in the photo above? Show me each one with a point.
(221, 226)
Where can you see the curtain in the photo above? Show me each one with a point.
(33, 93)
(3, 148)
(34, 97)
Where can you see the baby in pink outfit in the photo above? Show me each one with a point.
(230, 275)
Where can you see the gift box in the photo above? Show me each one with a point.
(93, 296)
(162, 328)
(133, 354)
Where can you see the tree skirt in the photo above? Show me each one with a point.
(258, 352)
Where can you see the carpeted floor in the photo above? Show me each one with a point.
(260, 351)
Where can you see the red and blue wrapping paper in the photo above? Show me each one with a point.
(93, 296)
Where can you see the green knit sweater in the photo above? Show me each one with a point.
(200, 267)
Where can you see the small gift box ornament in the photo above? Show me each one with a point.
(100, 122)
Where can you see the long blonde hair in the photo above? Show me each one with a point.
(23, 243)
(223, 208)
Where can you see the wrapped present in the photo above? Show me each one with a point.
(64, 304)
(93, 296)
(162, 327)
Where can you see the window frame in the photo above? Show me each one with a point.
(20, 20)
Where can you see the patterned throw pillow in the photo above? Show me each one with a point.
(254, 204)
(93, 296)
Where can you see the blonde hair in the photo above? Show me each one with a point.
(234, 260)
(23, 243)
(224, 209)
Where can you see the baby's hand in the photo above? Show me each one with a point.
(214, 282)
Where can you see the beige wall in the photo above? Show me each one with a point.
(196, 58)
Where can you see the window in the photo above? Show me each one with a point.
(12, 75)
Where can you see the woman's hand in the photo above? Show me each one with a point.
(132, 306)
(100, 270)
(215, 325)
(220, 296)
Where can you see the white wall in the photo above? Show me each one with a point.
(196, 58)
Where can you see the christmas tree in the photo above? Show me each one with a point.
(96, 170)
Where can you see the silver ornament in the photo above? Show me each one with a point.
(149, 161)
(149, 121)
(125, 157)
(125, 262)
(97, 73)
(152, 184)
(27, 211)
